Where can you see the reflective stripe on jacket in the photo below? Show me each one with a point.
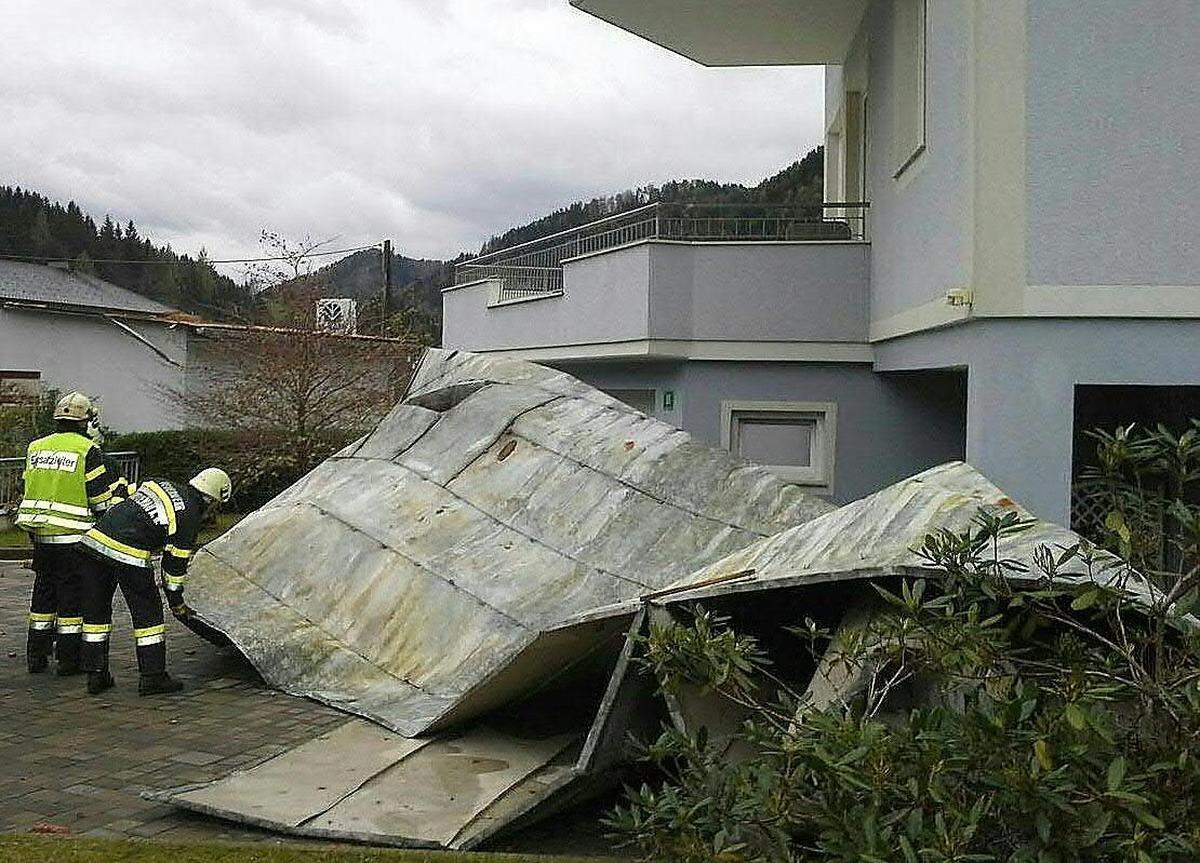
(56, 507)
(104, 544)
(161, 516)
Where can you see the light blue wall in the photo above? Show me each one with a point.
(920, 223)
(757, 292)
(624, 375)
(93, 355)
(1113, 154)
(605, 300)
(889, 426)
(703, 291)
(1022, 374)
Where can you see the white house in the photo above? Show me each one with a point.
(1016, 184)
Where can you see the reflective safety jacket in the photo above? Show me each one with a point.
(161, 516)
(66, 486)
(120, 487)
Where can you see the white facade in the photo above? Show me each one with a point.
(1032, 176)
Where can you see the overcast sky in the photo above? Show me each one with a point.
(434, 122)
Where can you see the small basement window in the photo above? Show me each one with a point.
(794, 439)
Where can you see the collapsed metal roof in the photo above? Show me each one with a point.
(879, 535)
(413, 577)
(501, 524)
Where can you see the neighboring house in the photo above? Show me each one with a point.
(70, 330)
(65, 330)
(1027, 266)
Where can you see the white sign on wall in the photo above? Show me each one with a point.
(337, 315)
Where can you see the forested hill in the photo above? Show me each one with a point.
(416, 288)
(801, 182)
(34, 226)
(360, 276)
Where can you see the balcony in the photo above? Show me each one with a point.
(673, 281)
(535, 269)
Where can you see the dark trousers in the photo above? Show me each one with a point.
(54, 608)
(101, 577)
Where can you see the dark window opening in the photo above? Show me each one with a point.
(1108, 406)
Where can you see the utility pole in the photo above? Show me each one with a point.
(387, 285)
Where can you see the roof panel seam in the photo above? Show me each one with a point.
(421, 566)
(340, 642)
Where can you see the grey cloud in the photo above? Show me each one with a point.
(435, 123)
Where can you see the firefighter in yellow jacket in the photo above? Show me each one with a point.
(67, 486)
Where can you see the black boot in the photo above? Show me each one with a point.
(158, 683)
(98, 681)
(39, 647)
(67, 652)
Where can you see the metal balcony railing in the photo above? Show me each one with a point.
(534, 268)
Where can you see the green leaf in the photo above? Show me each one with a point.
(1094, 829)
(1136, 799)
(1116, 772)
(1041, 750)
(1087, 599)
(1115, 522)
(1075, 716)
(1042, 823)
(1151, 821)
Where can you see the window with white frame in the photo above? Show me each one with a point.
(796, 440)
(908, 82)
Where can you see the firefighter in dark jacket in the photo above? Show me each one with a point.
(67, 487)
(161, 516)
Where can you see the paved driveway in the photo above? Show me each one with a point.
(81, 762)
(70, 759)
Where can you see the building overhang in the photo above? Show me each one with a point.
(679, 350)
(739, 32)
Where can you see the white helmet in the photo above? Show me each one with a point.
(213, 483)
(74, 406)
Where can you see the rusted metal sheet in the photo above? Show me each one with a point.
(417, 578)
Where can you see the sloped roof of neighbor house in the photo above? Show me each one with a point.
(58, 286)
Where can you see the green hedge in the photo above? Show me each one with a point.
(174, 455)
(259, 471)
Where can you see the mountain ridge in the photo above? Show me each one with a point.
(33, 225)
